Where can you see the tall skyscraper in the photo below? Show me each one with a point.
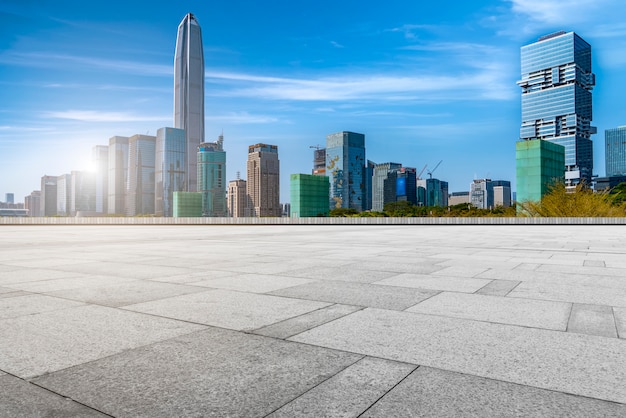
(141, 174)
(556, 99)
(406, 185)
(345, 166)
(170, 170)
(32, 202)
(64, 195)
(263, 185)
(384, 185)
(48, 196)
(83, 192)
(100, 157)
(212, 177)
(189, 91)
(9, 198)
(615, 151)
(118, 174)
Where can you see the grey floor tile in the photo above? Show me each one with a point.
(594, 263)
(33, 275)
(350, 392)
(22, 399)
(195, 276)
(212, 373)
(620, 321)
(298, 324)
(126, 292)
(14, 293)
(30, 304)
(526, 313)
(429, 392)
(340, 273)
(592, 295)
(360, 294)
(396, 267)
(228, 309)
(461, 271)
(130, 269)
(592, 320)
(434, 282)
(545, 359)
(43, 343)
(255, 283)
(498, 287)
(82, 282)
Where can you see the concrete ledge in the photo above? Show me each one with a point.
(307, 221)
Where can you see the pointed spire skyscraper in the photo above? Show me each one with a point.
(189, 91)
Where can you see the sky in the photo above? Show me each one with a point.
(424, 81)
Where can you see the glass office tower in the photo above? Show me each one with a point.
(615, 151)
(212, 177)
(346, 169)
(141, 159)
(556, 99)
(189, 91)
(171, 163)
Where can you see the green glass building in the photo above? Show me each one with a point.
(539, 164)
(212, 178)
(187, 205)
(309, 195)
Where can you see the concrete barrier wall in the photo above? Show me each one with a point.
(307, 221)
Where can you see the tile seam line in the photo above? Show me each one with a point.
(417, 366)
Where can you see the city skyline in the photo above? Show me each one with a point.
(421, 84)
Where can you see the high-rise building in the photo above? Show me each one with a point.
(309, 195)
(615, 151)
(556, 99)
(170, 170)
(319, 162)
(502, 193)
(187, 205)
(83, 192)
(406, 185)
(32, 202)
(432, 192)
(141, 174)
(118, 175)
(237, 198)
(487, 193)
(539, 164)
(48, 196)
(100, 157)
(384, 185)
(64, 195)
(189, 91)
(212, 177)
(9, 198)
(345, 167)
(263, 185)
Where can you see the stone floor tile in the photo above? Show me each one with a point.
(130, 270)
(14, 293)
(255, 283)
(360, 294)
(33, 275)
(434, 282)
(592, 320)
(70, 283)
(545, 359)
(429, 392)
(298, 324)
(228, 309)
(498, 287)
(211, 373)
(22, 399)
(195, 276)
(620, 321)
(592, 295)
(348, 393)
(126, 292)
(349, 273)
(594, 263)
(526, 313)
(467, 271)
(30, 304)
(46, 342)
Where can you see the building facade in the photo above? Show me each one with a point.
(346, 170)
(170, 170)
(141, 175)
(32, 202)
(539, 164)
(309, 195)
(118, 175)
(263, 185)
(556, 99)
(83, 192)
(384, 185)
(237, 198)
(319, 162)
(64, 195)
(48, 196)
(406, 185)
(212, 177)
(615, 151)
(187, 205)
(100, 158)
(189, 91)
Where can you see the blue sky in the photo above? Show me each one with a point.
(424, 81)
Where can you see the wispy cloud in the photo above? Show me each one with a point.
(51, 60)
(97, 116)
(410, 31)
(242, 118)
(336, 44)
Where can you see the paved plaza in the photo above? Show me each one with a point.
(318, 321)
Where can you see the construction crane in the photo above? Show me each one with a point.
(430, 172)
(317, 147)
(420, 174)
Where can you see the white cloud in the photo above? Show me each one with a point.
(240, 118)
(336, 44)
(97, 116)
